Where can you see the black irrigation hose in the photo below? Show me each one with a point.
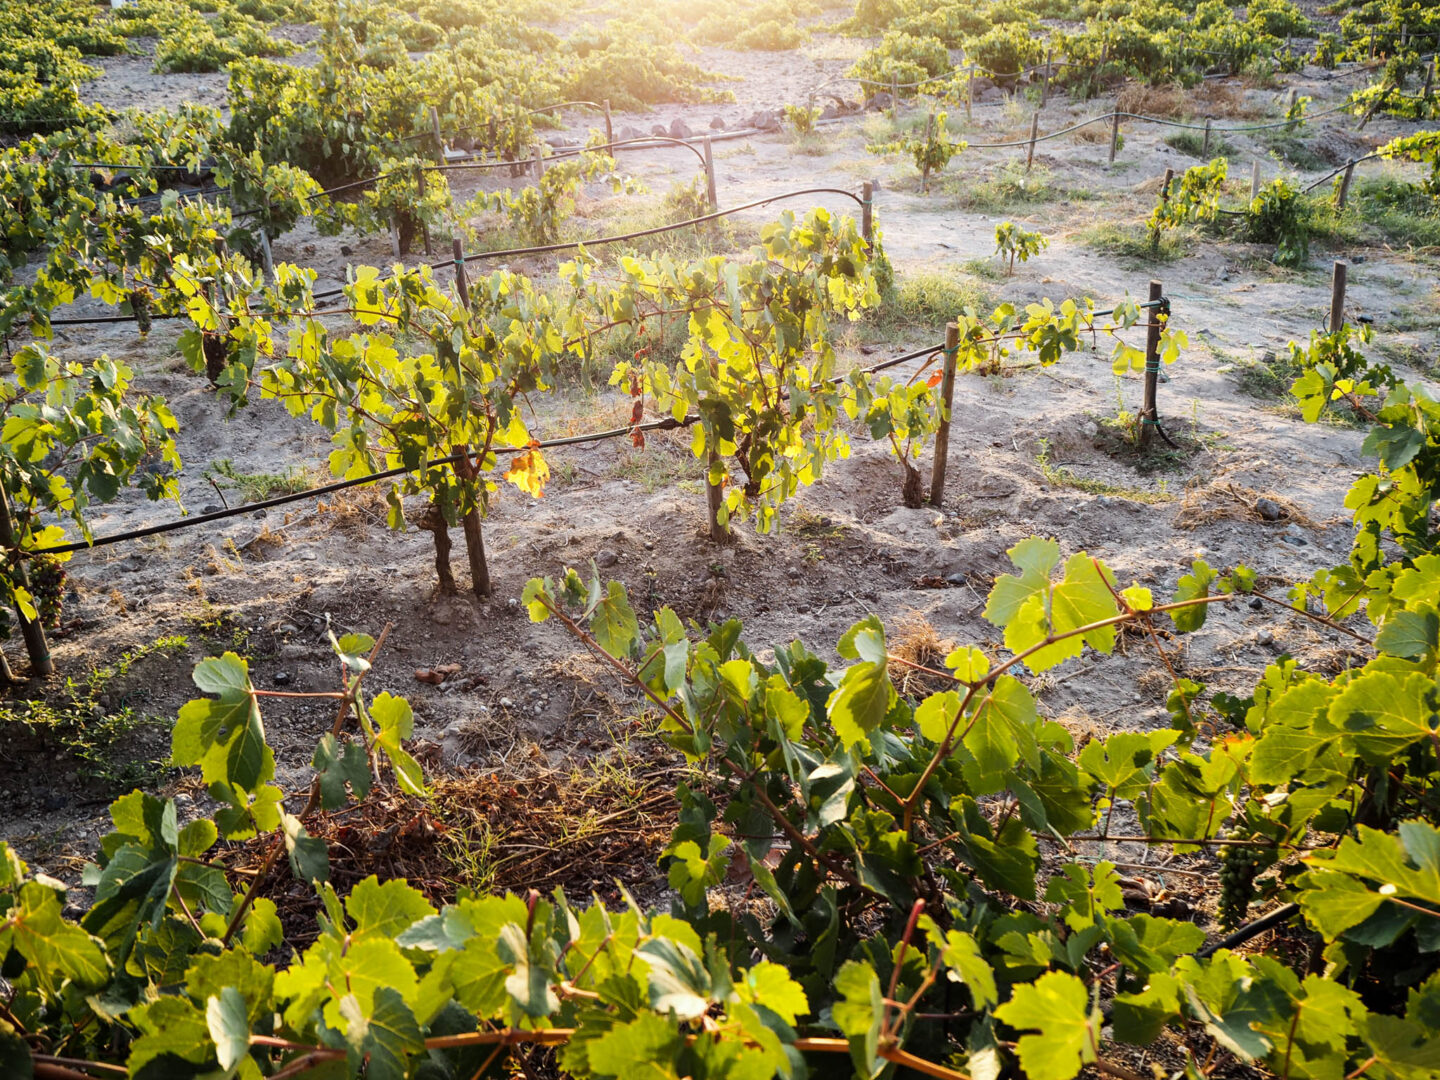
(1284, 913)
(666, 424)
(545, 249)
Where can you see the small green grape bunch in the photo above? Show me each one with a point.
(1239, 866)
(1018, 243)
(140, 304)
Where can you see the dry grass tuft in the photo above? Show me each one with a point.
(1225, 501)
(356, 511)
(1219, 100)
(1153, 100)
(915, 640)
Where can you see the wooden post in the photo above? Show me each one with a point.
(1430, 77)
(609, 124)
(222, 252)
(1337, 295)
(1045, 79)
(462, 287)
(710, 194)
(970, 93)
(1290, 102)
(424, 228)
(539, 167)
(1254, 179)
(1114, 135)
(925, 169)
(1205, 148)
(714, 500)
(1372, 44)
(33, 633)
(1344, 193)
(267, 256)
(1149, 412)
(394, 236)
(439, 139)
(1164, 198)
(1034, 132)
(867, 212)
(894, 97)
(947, 398)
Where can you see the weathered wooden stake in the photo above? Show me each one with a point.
(1045, 79)
(462, 287)
(1430, 78)
(539, 166)
(1344, 193)
(714, 500)
(394, 236)
(609, 124)
(33, 633)
(1254, 179)
(1114, 135)
(1149, 411)
(710, 194)
(267, 257)
(1164, 198)
(970, 92)
(894, 98)
(1034, 132)
(867, 212)
(947, 398)
(439, 139)
(925, 169)
(424, 228)
(1290, 102)
(1337, 295)
(1205, 148)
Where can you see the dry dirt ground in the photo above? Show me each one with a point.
(1032, 451)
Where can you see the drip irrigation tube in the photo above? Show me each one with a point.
(543, 249)
(665, 424)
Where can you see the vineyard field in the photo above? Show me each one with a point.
(655, 625)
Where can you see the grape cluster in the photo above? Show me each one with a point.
(140, 305)
(1239, 864)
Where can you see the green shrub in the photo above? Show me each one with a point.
(1004, 50)
(1278, 18)
(1279, 215)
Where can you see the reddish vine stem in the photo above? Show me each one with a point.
(310, 803)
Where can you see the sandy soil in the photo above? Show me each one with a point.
(528, 698)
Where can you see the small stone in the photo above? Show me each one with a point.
(649, 545)
(1269, 509)
(1295, 541)
(260, 514)
(1090, 429)
(717, 124)
(1266, 637)
(211, 508)
(606, 557)
(346, 250)
(308, 556)
(953, 579)
(1256, 604)
(505, 703)
(660, 131)
(1294, 531)
(282, 678)
(1103, 500)
(679, 129)
(287, 628)
(512, 603)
